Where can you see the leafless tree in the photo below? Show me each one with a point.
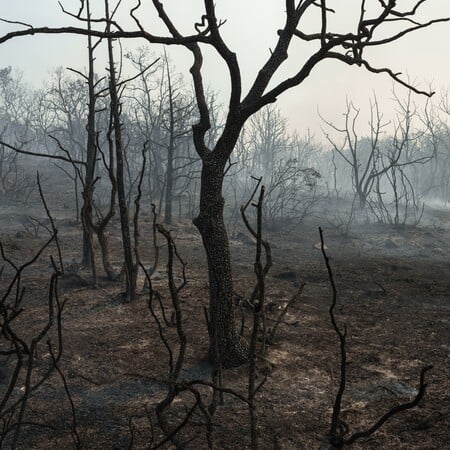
(129, 265)
(21, 346)
(382, 165)
(266, 148)
(402, 155)
(161, 110)
(15, 126)
(434, 179)
(339, 435)
(362, 155)
(88, 256)
(145, 111)
(383, 23)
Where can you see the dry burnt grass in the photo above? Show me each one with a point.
(393, 288)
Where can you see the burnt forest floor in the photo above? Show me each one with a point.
(393, 291)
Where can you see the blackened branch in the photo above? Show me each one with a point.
(338, 428)
(395, 410)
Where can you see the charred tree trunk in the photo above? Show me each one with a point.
(170, 153)
(88, 257)
(225, 342)
(106, 254)
(169, 173)
(130, 269)
(101, 227)
(169, 187)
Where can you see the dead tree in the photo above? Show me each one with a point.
(100, 225)
(162, 110)
(88, 256)
(339, 431)
(435, 179)
(385, 23)
(16, 115)
(145, 108)
(362, 155)
(21, 348)
(257, 301)
(130, 278)
(266, 148)
(401, 156)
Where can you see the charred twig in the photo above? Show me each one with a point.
(260, 271)
(294, 299)
(74, 429)
(13, 407)
(16, 280)
(394, 410)
(52, 222)
(152, 295)
(43, 155)
(339, 429)
(35, 224)
(257, 302)
(137, 208)
(155, 241)
(175, 365)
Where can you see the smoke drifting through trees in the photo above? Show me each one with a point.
(155, 139)
(394, 167)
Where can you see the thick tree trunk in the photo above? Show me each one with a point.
(225, 341)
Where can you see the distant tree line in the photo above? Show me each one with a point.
(392, 167)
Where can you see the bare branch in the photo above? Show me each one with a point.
(43, 155)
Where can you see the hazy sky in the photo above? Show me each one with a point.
(250, 31)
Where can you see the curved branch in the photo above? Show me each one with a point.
(43, 155)
(182, 40)
(395, 410)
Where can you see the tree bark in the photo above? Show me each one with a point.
(106, 255)
(88, 258)
(169, 176)
(225, 341)
(170, 154)
(130, 269)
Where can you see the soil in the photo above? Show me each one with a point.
(393, 289)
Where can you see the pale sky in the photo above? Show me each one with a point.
(250, 31)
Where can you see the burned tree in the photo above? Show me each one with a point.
(91, 156)
(381, 165)
(130, 268)
(179, 110)
(362, 155)
(384, 23)
(161, 111)
(348, 48)
(16, 116)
